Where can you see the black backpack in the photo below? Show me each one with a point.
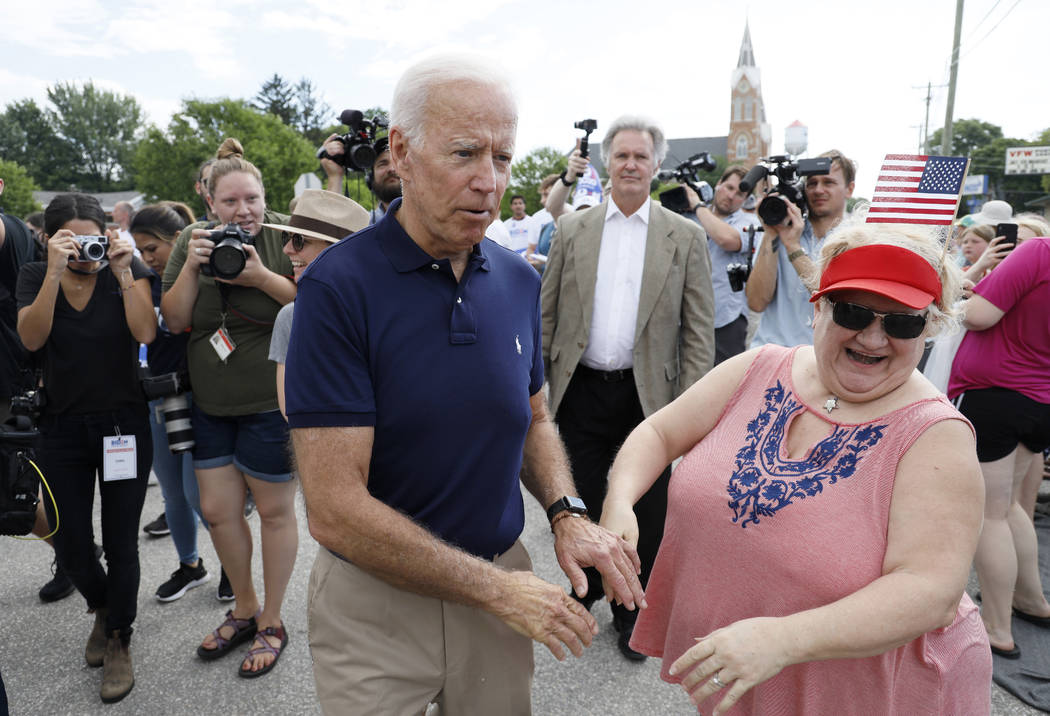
(19, 480)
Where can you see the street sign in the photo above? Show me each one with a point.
(975, 184)
(1028, 160)
(307, 181)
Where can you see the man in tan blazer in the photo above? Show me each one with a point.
(628, 325)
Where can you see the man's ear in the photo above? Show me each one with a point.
(849, 189)
(398, 149)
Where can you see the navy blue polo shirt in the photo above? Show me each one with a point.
(384, 336)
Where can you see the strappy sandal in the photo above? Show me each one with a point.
(264, 648)
(243, 630)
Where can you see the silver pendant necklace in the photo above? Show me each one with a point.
(831, 403)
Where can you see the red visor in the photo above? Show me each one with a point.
(891, 271)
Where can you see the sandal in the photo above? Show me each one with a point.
(264, 648)
(243, 630)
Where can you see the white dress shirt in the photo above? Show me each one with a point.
(617, 289)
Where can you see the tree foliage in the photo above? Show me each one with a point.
(967, 136)
(312, 112)
(277, 97)
(27, 138)
(166, 162)
(526, 175)
(17, 197)
(101, 127)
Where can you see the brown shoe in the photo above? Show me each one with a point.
(95, 651)
(117, 675)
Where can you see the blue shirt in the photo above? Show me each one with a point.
(384, 336)
(730, 304)
(788, 319)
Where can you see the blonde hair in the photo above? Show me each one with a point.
(229, 159)
(943, 316)
(1035, 223)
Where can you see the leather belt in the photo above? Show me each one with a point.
(608, 376)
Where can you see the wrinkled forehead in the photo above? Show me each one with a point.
(466, 103)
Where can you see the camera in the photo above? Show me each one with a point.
(29, 404)
(19, 481)
(737, 272)
(228, 258)
(92, 248)
(588, 126)
(790, 184)
(686, 173)
(359, 153)
(175, 410)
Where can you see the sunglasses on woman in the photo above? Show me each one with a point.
(896, 325)
(298, 240)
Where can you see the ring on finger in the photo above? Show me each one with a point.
(718, 682)
(197, 251)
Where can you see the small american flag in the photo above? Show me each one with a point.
(917, 189)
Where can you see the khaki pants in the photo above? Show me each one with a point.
(381, 650)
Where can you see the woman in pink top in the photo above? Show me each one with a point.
(821, 525)
(1001, 381)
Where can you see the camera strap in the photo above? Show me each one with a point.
(224, 294)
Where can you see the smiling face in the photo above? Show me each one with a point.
(312, 248)
(631, 167)
(454, 182)
(238, 198)
(154, 251)
(863, 365)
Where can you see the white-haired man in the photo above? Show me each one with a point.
(628, 324)
(414, 392)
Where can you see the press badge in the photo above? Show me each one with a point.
(119, 461)
(222, 343)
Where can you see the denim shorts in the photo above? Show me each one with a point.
(256, 444)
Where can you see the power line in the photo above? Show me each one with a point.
(978, 43)
(977, 27)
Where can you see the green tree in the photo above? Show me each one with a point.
(27, 137)
(166, 162)
(278, 98)
(990, 159)
(967, 136)
(527, 173)
(311, 112)
(101, 127)
(17, 197)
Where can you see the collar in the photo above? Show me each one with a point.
(642, 213)
(405, 254)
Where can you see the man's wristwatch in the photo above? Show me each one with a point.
(795, 254)
(569, 505)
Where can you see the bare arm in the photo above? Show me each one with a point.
(176, 305)
(135, 293)
(559, 194)
(761, 285)
(35, 320)
(578, 542)
(333, 171)
(280, 390)
(979, 313)
(717, 230)
(345, 518)
(935, 519)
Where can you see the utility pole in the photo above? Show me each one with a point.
(946, 145)
(926, 122)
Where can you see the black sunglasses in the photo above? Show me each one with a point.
(896, 325)
(298, 241)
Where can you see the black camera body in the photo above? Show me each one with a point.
(29, 404)
(228, 257)
(175, 411)
(737, 272)
(790, 184)
(92, 248)
(588, 126)
(686, 173)
(19, 480)
(359, 152)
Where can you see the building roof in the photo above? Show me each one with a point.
(108, 199)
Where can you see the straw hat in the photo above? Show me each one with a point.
(324, 215)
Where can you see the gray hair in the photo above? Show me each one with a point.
(640, 124)
(408, 109)
(944, 313)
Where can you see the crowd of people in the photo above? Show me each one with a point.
(827, 503)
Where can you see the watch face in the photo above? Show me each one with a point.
(576, 504)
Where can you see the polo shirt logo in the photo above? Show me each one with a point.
(517, 343)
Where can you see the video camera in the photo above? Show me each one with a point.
(737, 272)
(790, 184)
(588, 126)
(19, 482)
(359, 152)
(228, 258)
(686, 173)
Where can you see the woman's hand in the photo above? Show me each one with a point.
(254, 273)
(618, 517)
(61, 249)
(741, 656)
(198, 249)
(120, 253)
(997, 250)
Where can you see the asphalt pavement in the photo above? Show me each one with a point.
(42, 645)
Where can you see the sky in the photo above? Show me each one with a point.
(854, 73)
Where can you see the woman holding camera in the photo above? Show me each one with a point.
(155, 229)
(240, 435)
(86, 309)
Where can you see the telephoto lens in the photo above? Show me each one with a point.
(176, 413)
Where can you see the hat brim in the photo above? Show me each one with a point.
(306, 232)
(910, 296)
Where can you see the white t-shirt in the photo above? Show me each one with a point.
(522, 233)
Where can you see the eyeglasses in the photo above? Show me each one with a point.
(298, 240)
(896, 325)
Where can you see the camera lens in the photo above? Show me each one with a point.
(362, 156)
(176, 412)
(93, 251)
(773, 210)
(228, 259)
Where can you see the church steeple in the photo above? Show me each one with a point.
(747, 54)
(749, 133)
